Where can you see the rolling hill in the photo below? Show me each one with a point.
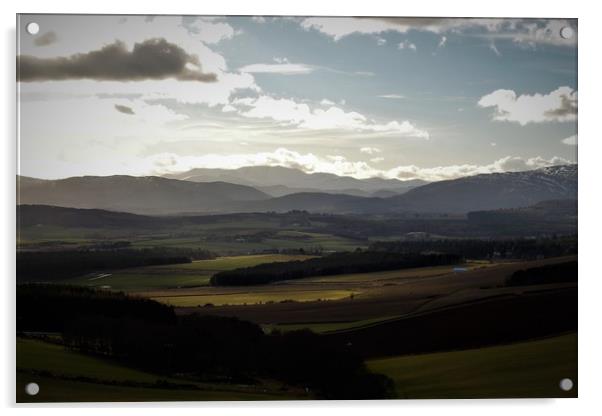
(491, 191)
(141, 195)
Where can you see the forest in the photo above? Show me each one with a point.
(485, 249)
(58, 265)
(337, 263)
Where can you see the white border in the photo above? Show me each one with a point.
(590, 211)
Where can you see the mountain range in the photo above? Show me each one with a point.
(159, 196)
(280, 181)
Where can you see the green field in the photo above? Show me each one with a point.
(322, 327)
(192, 274)
(528, 369)
(254, 297)
(279, 241)
(42, 356)
(224, 236)
(56, 370)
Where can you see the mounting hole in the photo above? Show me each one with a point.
(32, 389)
(32, 28)
(566, 384)
(567, 32)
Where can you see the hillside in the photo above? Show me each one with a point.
(142, 195)
(491, 191)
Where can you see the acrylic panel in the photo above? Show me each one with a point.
(295, 208)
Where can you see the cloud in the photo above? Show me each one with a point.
(494, 49)
(442, 42)
(571, 140)
(370, 150)
(559, 105)
(505, 164)
(278, 68)
(392, 96)
(301, 115)
(46, 39)
(377, 159)
(523, 31)
(152, 59)
(327, 102)
(210, 30)
(340, 165)
(406, 45)
(102, 30)
(124, 109)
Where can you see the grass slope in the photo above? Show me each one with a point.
(527, 369)
(56, 370)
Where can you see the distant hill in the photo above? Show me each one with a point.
(142, 195)
(279, 181)
(159, 196)
(558, 216)
(491, 191)
(36, 215)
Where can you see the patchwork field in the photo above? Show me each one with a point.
(526, 369)
(252, 297)
(174, 276)
(222, 235)
(377, 296)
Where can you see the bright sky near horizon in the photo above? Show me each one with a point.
(391, 97)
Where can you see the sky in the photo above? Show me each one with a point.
(405, 98)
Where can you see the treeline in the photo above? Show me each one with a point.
(151, 338)
(337, 263)
(551, 273)
(49, 307)
(486, 249)
(55, 265)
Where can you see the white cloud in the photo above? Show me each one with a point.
(228, 108)
(340, 165)
(571, 140)
(523, 31)
(392, 96)
(278, 68)
(308, 162)
(406, 45)
(381, 41)
(559, 105)
(370, 150)
(211, 31)
(494, 49)
(327, 102)
(301, 115)
(442, 42)
(505, 164)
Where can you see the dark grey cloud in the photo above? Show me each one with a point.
(151, 59)
(45, 39)
(568, 107)
(124, 109)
